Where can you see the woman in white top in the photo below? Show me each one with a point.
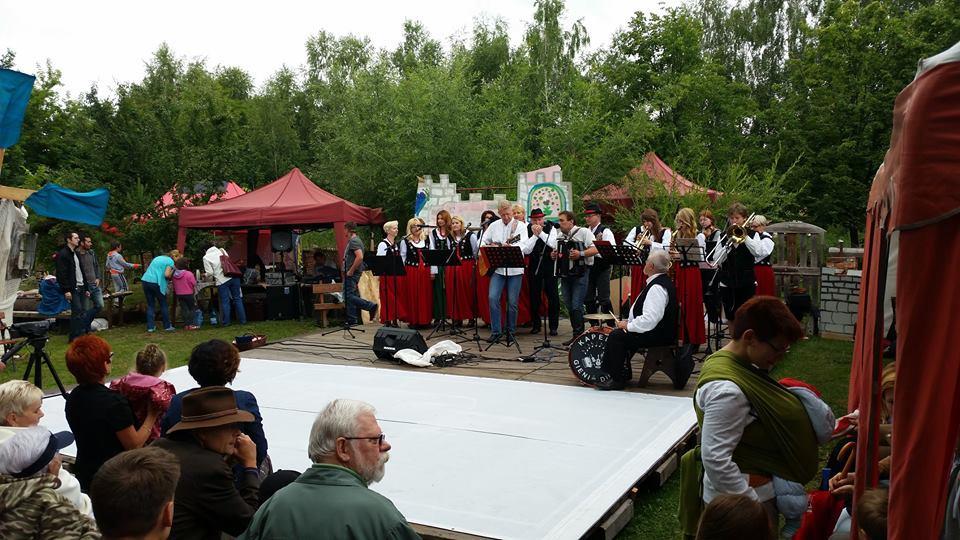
(390, 284)
(416, 290)
(762, 265)
(657, 239)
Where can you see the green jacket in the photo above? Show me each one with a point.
(330, 502)
(30, 508)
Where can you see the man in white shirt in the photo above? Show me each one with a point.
(652, 322)
(541, 241)
(506, 231)
(597, 299)
(574, 279)
(228, 288)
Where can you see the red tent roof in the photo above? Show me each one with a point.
(167, 205)
(292, 200)
(654, 168)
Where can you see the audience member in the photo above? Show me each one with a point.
(735, 517)
(20, 407)
(90, 267)
(154, 282)
(144, 388)
(871, 514)
(331, 499)
(216, 363)
(228, 287)
(275, 482)
(70, 281)
(751, 428)
(101, 419)
(185, 288)
(30, 506)
(133, 494)
(208, 502)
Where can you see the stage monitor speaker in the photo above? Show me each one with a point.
(390, 340)
(283, 303)
(281, 240)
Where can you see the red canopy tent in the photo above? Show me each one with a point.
(293, 201)
(167, 205)
(913, 215)
(656, 169)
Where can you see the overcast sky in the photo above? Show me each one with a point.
(108, 41)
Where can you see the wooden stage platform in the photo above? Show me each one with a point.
(499, 362)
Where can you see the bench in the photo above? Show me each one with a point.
(670, 361)
(321, 307)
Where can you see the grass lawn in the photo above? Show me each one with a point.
(127, 340)
(822, 363)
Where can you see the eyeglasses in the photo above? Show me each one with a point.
(110, 358)
(776, 349)
(379, 438)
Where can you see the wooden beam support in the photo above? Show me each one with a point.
(15, 193)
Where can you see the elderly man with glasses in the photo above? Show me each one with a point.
(751, 427)
(331, 499)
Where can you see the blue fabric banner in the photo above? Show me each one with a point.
(61, 203)
(15, 88)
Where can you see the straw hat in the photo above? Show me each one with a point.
(210, 407)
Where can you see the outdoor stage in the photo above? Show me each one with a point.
(494, 448)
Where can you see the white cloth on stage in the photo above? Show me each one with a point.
(414, 358)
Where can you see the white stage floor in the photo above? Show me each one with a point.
(490, 457)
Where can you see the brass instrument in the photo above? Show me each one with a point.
(732, 237)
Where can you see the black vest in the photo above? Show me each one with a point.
(540, 249)
(466, 247)
(413, 254)
(441, 243)
(665, 333)
(766, 260)
(737, 269)
(711, 241)
(599, 264)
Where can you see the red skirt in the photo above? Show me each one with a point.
(766, 285)
(690, 294)
(460, 291)
(483, 303)
(390, 292)
(638, 280)
(523, 303)
(416, 295)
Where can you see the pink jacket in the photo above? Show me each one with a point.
(184, 282)
(141, 390)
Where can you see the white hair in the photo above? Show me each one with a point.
(16, 396)
(660, 260)
(503, 205)
(20, 447)
(760, 220)
(340, 418)
(389, 224)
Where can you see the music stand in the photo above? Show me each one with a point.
(389, 265)
(624, 255)
(505, 257)
(545, 345)
(441, 258)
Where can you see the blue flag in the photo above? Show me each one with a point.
(61, 203)
(15, 88)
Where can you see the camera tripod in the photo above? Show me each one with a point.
(38, 357)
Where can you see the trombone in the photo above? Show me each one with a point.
(733, 236)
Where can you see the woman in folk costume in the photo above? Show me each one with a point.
(416, 291)
(648, 236)
(461, 280)
(441, 237)
(708, 237)
(689, 286)
(390, 286)
(762, 266)
(483, 281)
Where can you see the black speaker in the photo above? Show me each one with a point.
(281, 240)
(390, 340)
(282, 303)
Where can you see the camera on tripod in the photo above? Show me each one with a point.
(30, 329)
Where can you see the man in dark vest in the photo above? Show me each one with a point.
(652, 323)
(598, 285)
(737, 281)
(543, 235)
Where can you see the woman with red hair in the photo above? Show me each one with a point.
(101, 419)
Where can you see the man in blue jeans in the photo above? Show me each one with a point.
(70, 281)
(353, 266)
(91, 279)
(505, 231)
(574, 278)
(228, 287)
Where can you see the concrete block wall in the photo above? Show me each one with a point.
(839, 297)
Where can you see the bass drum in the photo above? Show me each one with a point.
(585, 354)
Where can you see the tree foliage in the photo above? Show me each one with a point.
(785, 105)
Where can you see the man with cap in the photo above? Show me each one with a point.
(332, 499)
(541, 241)
(31, 506)
(598, 284)
(208, 501)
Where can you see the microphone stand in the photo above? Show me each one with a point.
(546, 345)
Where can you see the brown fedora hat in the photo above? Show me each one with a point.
(210, 407)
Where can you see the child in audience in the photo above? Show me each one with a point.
(734, 517)
(144, 386)
(792, 496)
(185, 287)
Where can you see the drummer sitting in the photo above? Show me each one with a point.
(652, 322)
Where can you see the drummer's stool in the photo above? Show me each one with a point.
(665, 359)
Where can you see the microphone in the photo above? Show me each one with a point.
(489, 221)
(426, 226)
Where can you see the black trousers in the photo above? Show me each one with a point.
(734, 297)
(621, 346)
(598, 290)
(548, 285)
(711, 296)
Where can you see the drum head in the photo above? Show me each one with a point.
(585, 354)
